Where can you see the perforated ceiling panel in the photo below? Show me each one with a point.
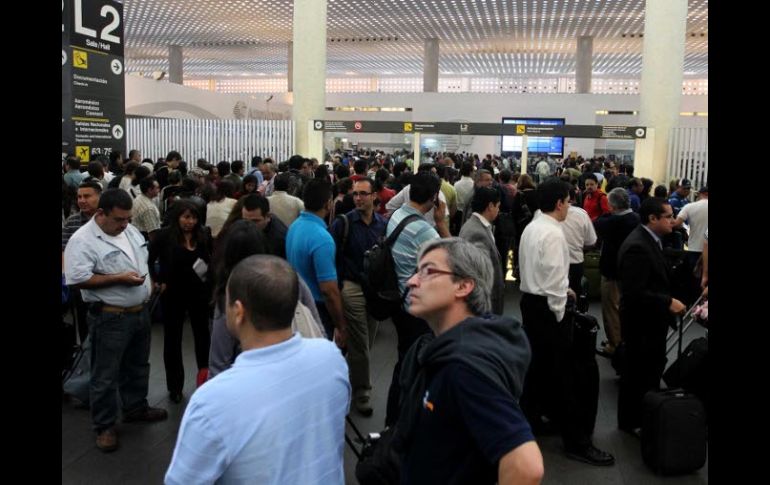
(522, 38)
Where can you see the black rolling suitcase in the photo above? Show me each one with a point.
(674, 429)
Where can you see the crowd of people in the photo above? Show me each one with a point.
(267, 262)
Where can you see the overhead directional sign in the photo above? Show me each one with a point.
(93, 82)
(490, 129)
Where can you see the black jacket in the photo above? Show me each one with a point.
(613, 230)
(494, 347)
(644, 287)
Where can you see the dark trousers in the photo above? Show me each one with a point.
(560, 383)
(408, 329)
(120, 353)
(175, 308)
(645, 361)
(575, 277)
(326, 319)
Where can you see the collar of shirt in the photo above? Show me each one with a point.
(623, 212)
(271, 353)
(309, 216)
(654, 236)
(483, 220)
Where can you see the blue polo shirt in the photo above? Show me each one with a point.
(310, 251)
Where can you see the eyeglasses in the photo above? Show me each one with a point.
(426, 271)
(360, 194)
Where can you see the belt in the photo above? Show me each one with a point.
(120, 309)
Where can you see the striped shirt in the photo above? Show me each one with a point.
(145, 214)
(407, 245)
(72, 224)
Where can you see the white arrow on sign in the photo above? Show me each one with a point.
(117, 132)
(116, 67)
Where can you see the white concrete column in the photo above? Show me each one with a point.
(524, 153)
(290, 67)
(665, 24)
(416, 149)
(309, 75)
(583, 62)
(175, 70)
(430, 66)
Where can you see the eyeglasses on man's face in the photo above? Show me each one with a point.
(360, 194)
(426, 272)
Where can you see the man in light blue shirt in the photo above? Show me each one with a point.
(107, 260)
(278, 414)
(74, 176)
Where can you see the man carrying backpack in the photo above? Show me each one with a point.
(423, 196)
(354, 234)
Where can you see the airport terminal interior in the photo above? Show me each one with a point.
(218, 110)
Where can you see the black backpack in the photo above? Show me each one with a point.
(380, 282)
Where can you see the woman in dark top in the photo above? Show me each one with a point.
(182, 248)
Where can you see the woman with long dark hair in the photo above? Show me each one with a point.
(241, 240)
(183, 250)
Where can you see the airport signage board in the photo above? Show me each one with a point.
(93, 83)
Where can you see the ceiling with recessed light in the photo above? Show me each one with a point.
(489, 38)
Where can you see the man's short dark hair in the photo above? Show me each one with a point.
(591, 176)
(282, 181)
(316, 193)
(237, 165)
(505, 176)
(95, 169)
(367, 180)
(423, 187)
(73, 162)
(266, 310)
(112, 198)
(132, 152)
(146, 184)
(550, 192)
(466, 169)
(652, 206)
(250, 179)
(482, 197)
(296, 162)
(255, 201)
(91, 184)
(359, 166)
(256, 161)
(223, 168)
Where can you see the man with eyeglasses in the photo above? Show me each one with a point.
(647, 309)
(460, 420)
(364, 229)
(556, 387)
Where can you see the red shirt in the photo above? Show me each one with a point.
(595, 204)
(384, 196)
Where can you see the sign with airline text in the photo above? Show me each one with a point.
(490, 129)
(93, 83)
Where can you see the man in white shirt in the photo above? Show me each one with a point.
(551, 387)
(696, 215)
(464, 187)
(579, 233)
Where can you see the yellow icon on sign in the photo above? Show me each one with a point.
(519, 129)
(80, 59)
(407, 127)
(84, 153)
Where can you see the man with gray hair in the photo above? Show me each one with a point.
(278, 414)
(460, 419)
(613, 228)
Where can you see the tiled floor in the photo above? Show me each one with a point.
(145, 449)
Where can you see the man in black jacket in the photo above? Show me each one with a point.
(613, 228)
(460, 420)
(646, 309)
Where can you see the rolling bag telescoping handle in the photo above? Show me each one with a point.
(686, 317)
